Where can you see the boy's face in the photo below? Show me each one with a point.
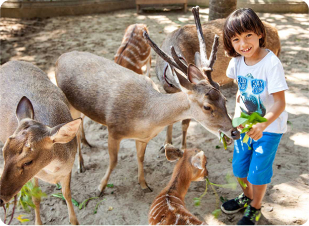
(247, 44)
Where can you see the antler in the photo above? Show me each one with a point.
(161, 53)
(183, 67)
(207, 65)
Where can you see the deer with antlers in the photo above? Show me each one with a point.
(134, 52)
(127, 103)
(187, 41)
(169, 208)
(37, 131)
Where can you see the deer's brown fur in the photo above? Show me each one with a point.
(131, 106)
(37, 131)
(169, 207)
(134, 52)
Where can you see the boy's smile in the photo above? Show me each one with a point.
(247, 44)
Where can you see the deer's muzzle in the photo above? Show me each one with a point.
(235, 134)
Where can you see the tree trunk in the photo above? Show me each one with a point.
(221, 8)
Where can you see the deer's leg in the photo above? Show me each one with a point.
(66, 191)
(83, 137)
(148, 66)
(36, 202)
(169, 136)
(185, 125)
(113, 148)
(140, 148)
(76, 114)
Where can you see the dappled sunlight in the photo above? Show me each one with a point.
(296, 104)
(301, 139)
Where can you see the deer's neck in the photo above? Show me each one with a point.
(180, 182)
(170, 108)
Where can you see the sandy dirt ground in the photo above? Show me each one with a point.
(41, 42)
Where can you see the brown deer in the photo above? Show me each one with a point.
(37, 131)
(186, 43)
(132, 107)
(134, 52)
(169, 207)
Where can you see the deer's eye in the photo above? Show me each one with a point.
(207, 108)
(28, 163)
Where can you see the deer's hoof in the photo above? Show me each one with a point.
(85, 142)
(81, 169)
(162, 149)
(99, 193)
(147, 190)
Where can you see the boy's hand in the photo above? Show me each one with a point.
(256, 132)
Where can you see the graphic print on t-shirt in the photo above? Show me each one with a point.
(250, 90)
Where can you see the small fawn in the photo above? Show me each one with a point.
(37, 131)
(134, 52)
(169, 207)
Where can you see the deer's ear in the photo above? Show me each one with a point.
(197, 160)
(172, 153)
(65, 132)
(194, 74)
(24, 109)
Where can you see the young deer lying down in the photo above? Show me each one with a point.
(169, 207)
(134, 52)
(186, 43)
(37, 131)
(132, 107)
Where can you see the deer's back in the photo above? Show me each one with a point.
(18, 79)
(186, 43)
(103, 90)
(168, 209)
(134, 51)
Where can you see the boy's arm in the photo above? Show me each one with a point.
(256, 132)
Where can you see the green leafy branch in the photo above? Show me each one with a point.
(247, 121)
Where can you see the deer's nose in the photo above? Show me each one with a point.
(235, 134)
(1, 202)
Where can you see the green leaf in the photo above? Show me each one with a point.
(21, 219)
(75, 203)
(84, 203)
(97, 206)
(216, 213)
(58, 186)
(223, 199)
(230, 160)
(60, 195)
(243, 184)
(244, 115)
(110, 185)
(197, 201)
(237, 121)
(218, 147)
(246, 138)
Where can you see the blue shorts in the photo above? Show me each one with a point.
(256, 164)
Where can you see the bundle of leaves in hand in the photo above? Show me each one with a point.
(247, 121)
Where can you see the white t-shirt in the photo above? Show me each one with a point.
(256, 83)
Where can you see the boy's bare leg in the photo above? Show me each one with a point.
(254, 192)
(258, 195)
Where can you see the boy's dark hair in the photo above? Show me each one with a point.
(239, 21)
